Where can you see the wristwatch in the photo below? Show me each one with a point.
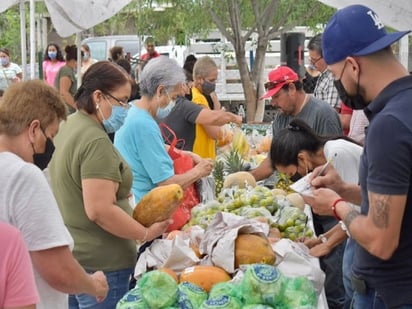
(323, 238)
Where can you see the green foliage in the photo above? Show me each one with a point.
(10, 32)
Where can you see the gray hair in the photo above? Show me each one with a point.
(315, 44)
(203, 67)
(160, 71)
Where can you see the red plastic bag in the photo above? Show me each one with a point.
(181, 164)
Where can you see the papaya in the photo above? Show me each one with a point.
(251, 248)
(204, 276)
(158, 204)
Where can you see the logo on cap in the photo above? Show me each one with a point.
(376, 19)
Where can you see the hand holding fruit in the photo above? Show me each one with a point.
(157, 229)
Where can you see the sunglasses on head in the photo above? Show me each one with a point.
(272, 85)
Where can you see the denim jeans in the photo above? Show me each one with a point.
(331, 264)
(347, 271)
(118, 286)
(371, 300)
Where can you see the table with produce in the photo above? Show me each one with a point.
(242, 247)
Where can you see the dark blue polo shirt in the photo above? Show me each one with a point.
(386, 168)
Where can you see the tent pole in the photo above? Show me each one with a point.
(23, 38)
(32, 41)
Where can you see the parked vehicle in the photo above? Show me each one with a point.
(100, 45)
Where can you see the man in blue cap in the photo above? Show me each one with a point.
(368, 76)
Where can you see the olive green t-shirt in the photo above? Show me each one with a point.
(84, 151)
(68, 72)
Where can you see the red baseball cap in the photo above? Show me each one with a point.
(277, 79)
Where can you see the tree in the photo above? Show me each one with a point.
(239, 20)
(10, 32)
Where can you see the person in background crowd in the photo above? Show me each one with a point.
(66, 81)
(325, 89)
(358, 125)
(125, 64)
(211, 98)
(52, 62)
(17, 285)
(186, 114)
(369, 76)
(151, 52)
(345, 116)
(295, 151)
(287, 94)
(116, 53)
(87, 59)
(310, 78)
(10, 72)
(160, 84)
(30, 115)
(204, 83)
(92, 182)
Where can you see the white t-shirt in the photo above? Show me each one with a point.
(27, 202)
(345, 158)
(7, 75)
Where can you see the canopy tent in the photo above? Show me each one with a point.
(396, 14)
(68, 18)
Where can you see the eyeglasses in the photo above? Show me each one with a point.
(314, 61)
(122, 104)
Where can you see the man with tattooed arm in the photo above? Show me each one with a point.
(368, 76)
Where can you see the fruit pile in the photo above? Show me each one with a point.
(209, 287)
(275, 207)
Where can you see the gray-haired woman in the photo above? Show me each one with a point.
(140, 140)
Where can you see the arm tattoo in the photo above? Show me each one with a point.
(380, 213)
(350, 217)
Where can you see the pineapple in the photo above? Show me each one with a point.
(283, 183)
(218, 175)
(233, 162)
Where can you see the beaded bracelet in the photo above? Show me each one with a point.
(334, 208)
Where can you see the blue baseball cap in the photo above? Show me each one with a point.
(355, 30)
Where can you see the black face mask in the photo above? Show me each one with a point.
(295, 177)
(353, 101)
(43, 159)
(208, 87)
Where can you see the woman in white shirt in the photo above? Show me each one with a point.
(297, 150)
(9, 71)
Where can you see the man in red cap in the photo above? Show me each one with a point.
(287, 95)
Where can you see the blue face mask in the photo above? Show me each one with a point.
(165, 111)
(4, 61)
(52, 55)
(116, 119)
